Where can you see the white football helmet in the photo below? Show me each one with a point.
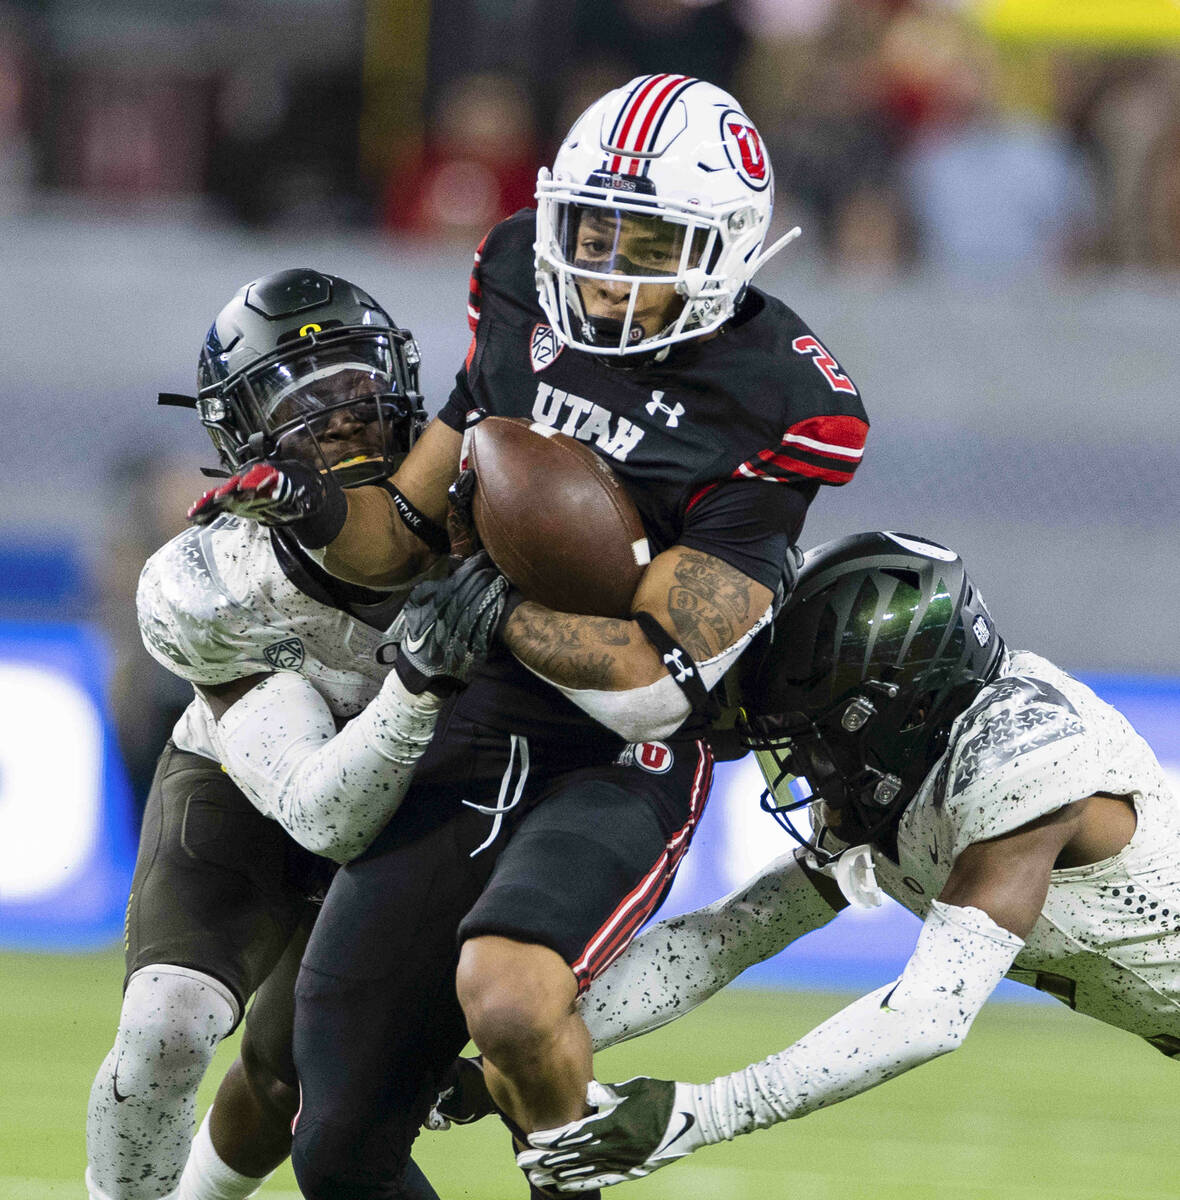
(662, 182)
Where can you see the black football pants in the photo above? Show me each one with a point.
(578, 864)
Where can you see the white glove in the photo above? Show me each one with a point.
(641, 1125)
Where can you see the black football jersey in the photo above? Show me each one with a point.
(721, 445)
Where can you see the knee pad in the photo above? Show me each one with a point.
(171, 1021)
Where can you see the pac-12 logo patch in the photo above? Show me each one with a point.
(655, 757)
(286, 655)
(745, 150)
(543, 347)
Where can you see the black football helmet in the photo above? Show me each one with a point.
(309, 366)
(883, 643)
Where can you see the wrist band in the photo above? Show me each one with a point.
(678, 662)
(417, 522)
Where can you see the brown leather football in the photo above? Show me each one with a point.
(555, 518)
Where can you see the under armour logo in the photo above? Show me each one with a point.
(674, 662)
(672, 413)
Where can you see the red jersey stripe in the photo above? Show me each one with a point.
(614, 935)
(474, 291)
(843, 436)
(699, 494)
(785, 468)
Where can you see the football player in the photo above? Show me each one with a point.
(299, 743)
(549, 818)
(996, 797)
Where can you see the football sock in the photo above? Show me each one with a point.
(206, 1177)
(96, 1193)
(142, 1109)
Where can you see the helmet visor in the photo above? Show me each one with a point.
(339, 407)
(613, 241)
(621, 272)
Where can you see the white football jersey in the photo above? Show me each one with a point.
(217, 604)
(1108, 939)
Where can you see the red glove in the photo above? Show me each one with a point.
(291, 494)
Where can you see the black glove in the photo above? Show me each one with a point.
(449, 626)
(308, 502)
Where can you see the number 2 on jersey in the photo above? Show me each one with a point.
(826, 363)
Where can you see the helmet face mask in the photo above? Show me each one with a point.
(884, 642)
(666, 164)
(332, 383)
(846, 783)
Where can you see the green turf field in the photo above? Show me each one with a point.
(1039, 1105)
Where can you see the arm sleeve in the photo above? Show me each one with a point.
(675, 965)
(960, 957)
(332, 792)
(658, 709)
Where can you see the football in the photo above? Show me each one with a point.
(555, 518)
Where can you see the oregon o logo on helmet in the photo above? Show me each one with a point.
(744, 147)
(655, 757)
(311, 327)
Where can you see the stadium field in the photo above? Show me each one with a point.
(1040, 1104)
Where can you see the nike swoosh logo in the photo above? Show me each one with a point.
(689, 1122)
(412, 644)
(885, 1002)
(933, 852)
(119, 1097)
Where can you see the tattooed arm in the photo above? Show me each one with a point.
(610, 669)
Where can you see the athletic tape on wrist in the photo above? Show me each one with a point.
(677, 661)
(416, 521)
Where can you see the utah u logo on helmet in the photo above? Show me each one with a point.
(751, 162)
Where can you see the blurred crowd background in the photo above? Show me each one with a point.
(989, 191)
(964, 133)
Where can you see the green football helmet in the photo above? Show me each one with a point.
(883, 643)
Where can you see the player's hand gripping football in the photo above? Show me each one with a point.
(285, 493)
(460, 518)
(448, 626)
(640, 1126)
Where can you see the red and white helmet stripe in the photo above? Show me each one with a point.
(637, 126)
